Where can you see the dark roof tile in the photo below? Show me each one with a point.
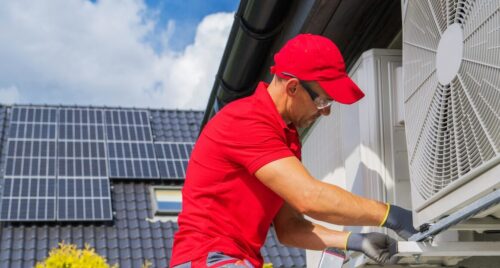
(16, 254)
(113, 253)
(273, 252)
(30, 244)
(18, 233)
(66, 233)
(300, 260)
(146, 243)
(122, 234)
(7, 232)
(168, 124)
(76, 231)
(283, 251)
(100, 244)
(125, 252)
(5, 253)
(136, 245)
(29, 254)
(157, 232)
(41, 253)
(158, 243)
(143, 224)
(5, 244)
(78, 242)
(42, 244)
(138, 262)
(29, 263)
(121, 214)
(30, 233)
(288, 261)
(134, 233)
(137, 253)
(112, 243)
(160, 253)
(132, 214)
(16, 246)
(142, 214)
(111, 232)
(100, 233)
(118, 189)
(149, 255)
(161, 263)
(277, 262)
(16, 263)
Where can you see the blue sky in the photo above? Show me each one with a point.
(140, 53)
(187, 14)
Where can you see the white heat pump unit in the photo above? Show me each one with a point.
(451, 76)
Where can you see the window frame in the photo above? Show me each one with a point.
(154, 201)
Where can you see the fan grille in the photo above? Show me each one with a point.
(452, 128)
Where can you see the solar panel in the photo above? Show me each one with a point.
(33, 115)
(29, 184)
(128, 125)
(132, 160)
(173, 159)
(130, 145)
(33, 123)
(83, 188)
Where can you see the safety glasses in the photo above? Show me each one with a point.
(320, 102)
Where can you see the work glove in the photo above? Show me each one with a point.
(400, 220)
(378, 247)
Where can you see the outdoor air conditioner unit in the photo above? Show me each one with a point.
(451, 76)
(361, 147)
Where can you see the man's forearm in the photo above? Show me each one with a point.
(305, 234)
(336, 205)
(289, 179)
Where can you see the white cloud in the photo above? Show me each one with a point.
(9, 95)
(77, 52)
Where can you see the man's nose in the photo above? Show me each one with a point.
(325, 111)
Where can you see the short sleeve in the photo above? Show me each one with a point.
(257, 145)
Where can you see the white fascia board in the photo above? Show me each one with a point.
(448, 249)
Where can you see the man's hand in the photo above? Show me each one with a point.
(376, 246)
(401, 221)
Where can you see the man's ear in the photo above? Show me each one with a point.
(291, 86)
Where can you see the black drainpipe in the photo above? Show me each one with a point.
(256, 24)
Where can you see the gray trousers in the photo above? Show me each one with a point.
(220, 260)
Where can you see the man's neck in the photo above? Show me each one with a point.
(279, 98)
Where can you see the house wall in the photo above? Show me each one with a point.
(362, 147)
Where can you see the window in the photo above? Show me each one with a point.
(167, 200)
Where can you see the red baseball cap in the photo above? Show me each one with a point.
(312, 57)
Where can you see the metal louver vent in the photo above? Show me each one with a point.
(451, 64)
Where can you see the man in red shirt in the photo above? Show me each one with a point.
(245, 171)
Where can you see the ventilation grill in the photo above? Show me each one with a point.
(452, 116)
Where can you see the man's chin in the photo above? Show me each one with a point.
(308, 124)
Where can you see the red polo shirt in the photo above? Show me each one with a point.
(224, 206)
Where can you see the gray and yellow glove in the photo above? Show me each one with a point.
(400, 220)
(378, 247)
